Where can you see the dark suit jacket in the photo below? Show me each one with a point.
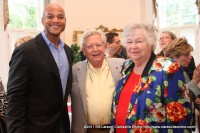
(35, 96)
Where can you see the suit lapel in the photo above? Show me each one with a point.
(46, 53)
(68, 53)
(114, 70)
(82, 76)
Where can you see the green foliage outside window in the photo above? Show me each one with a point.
(177, 12)
(23, 14)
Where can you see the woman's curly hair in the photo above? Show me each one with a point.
(178, 47)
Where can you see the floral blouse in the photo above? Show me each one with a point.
(161, 103)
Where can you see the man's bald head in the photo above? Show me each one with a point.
(52, 6)
(53, 20)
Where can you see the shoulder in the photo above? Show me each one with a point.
(127, 63)
(115, 62)
(67, 47)
(165, 64)
(80, 65)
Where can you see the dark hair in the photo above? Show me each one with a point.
(110, 36)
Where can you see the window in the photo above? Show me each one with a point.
(180, 17)
(177, 12)
(25, 14)
(25, 19)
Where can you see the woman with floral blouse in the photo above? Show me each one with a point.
(151, 95)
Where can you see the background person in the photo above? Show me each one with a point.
(166, 38)
(114, 47)
(180, 51)
(148, 93)
(21, 40)
(94, 81)
(40, 79)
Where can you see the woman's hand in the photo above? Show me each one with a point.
(196, 75)
(197, 101)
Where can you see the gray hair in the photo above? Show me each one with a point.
(171, 34)
(90, 32)
(150, 31)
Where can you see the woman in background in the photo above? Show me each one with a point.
(152, 90)
(21, 40)
(166, 38)
(180, 51)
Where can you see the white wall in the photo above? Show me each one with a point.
(82, 15)
(87, 14)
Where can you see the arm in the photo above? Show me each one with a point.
(193, 84)
(196, 75)
(194, 88)
(18, 83)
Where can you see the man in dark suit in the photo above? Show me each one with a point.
(40, 79)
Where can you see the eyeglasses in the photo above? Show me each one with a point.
(165, 37)
(118, 42)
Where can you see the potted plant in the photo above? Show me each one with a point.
(75, 49)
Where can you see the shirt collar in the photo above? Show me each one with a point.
(105, 63)
(49, 42)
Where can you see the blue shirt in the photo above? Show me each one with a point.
(61, 60)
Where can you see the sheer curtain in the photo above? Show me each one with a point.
(6, 13)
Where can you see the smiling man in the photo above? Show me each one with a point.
(94, 81)
(40, 79)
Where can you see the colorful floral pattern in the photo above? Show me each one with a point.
(161, 99)
(138, 127)
(176, 112)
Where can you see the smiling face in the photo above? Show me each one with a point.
(53, 20)
(94, 50)
(165, 41)
(137, 46)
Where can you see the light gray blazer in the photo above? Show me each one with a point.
(78, 92)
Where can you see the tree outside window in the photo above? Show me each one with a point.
(177, 12)
(25, 14)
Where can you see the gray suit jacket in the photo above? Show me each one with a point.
(78, 92)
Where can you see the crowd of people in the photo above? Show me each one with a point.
(118, 87)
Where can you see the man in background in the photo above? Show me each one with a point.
(114, 47)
